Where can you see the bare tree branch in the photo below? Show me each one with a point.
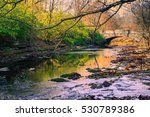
(104, 9)
(65, 32)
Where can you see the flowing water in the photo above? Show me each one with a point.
(25, 77)
(31, 79)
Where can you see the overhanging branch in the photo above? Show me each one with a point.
(106, 8)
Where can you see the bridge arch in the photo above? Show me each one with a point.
(121, 33)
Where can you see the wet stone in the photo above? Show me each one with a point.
(107, 90)
(100, 85)
(123, 89)
(59, 80)
(106, 84)
(89, 97)
(127, 98)
(72, 76)
(96, 76)
(95, 86)
(78, 85)
(141, 97)
(111, 98)
(121, 98)
(93, 70)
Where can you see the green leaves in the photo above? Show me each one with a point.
(19, 25)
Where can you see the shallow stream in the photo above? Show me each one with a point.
(32, 79)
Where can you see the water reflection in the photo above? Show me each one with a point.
(19, 80)
(61, 64)
(101, 59)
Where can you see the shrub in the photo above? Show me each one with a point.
(18, 26)
(96, 37)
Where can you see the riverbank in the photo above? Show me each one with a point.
(37, 52)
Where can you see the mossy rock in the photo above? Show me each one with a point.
(64, 75)
(97, 76)
(72, 76)
(95, 70)
(59, 80)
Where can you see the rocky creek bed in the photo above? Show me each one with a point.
(128, 78)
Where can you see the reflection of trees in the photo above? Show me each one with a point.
(94, 56)
(59, 65)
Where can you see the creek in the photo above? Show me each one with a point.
(32, 79)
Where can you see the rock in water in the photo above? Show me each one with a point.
(72, 76)
(95, 86)
(99, 85)
(89, 97)
(58, 80)
(5, 69)
(106, 84)
(95, 70)
(141, 97)
(64, 75)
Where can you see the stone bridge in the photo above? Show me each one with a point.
(121, 33)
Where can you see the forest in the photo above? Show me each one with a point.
(69, 22)
(62, 41)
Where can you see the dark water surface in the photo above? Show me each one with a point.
(31, 77)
